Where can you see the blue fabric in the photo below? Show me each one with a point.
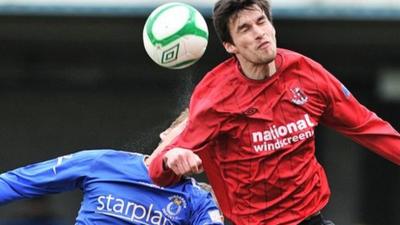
(116, 190)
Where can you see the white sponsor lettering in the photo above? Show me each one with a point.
(276, 138)
(130, 211)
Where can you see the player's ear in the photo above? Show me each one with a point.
(229, 47)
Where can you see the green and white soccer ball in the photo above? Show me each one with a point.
(175, 35)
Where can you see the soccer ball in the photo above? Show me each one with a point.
(175, 35)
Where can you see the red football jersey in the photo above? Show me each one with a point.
(256, 138)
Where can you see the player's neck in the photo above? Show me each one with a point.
(258, 71)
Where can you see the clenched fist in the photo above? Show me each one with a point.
(182, 161)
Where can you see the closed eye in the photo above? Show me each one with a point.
(261, 19)
(243, 28)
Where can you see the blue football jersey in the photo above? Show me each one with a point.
(116, 190)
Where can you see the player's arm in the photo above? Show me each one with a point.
(53, 176)
(180, 157)
(347, 116)
(172, 163)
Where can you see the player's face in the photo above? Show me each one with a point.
(253, 37)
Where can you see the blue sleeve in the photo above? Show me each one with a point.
(53, 176)
(205, 210)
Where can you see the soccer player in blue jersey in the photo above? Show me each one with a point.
(116, 187)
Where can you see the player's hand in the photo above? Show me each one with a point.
(183, 161)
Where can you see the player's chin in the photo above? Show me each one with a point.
(270, 56)
(266, 59)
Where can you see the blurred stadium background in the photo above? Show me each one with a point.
(74, 75)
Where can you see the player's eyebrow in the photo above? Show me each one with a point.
(241, 27)
(261, 17)
(246, 24)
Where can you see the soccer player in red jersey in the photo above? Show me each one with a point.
(252, 121)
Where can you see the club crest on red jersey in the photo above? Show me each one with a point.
(250, 111)
(298, 96)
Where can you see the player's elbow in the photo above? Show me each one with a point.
(160, 176)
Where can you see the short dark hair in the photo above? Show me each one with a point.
(224, 10)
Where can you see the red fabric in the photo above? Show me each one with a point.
(256, 138)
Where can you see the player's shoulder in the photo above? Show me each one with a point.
(111, 155)
(116, 152)
(217, 83)
(220, 73)
(117, 162)
(289, 53)
(224, 67)
(290, 57)
(91, 153)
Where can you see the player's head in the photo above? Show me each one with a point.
(175, 128)
(226, 10)
(245, 29)
(168, 135)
